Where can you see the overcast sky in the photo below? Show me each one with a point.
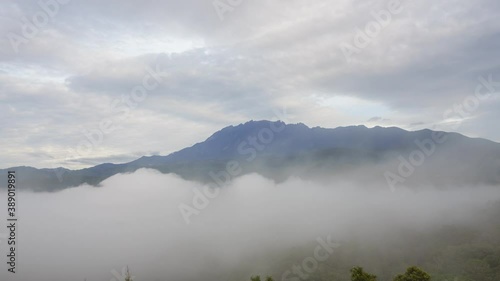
(71, 67)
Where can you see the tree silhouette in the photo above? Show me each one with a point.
(413, 274)
(358, 274)
(128, 277)
(257, 278)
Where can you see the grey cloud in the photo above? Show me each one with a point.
(116, 159)
(374, 119)
(262, 56)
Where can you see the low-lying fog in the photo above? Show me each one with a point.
(136, 220)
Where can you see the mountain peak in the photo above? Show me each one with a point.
(278, 150)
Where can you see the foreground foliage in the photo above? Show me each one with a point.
(358, 274)
(413, 274)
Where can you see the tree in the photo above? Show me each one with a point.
(128, 277)
(255, 278)
(413, 274)
(358, 274)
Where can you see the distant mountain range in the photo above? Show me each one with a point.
(276, 150)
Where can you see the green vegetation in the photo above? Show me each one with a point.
(257, 278)
(413, 274)
(357, 274)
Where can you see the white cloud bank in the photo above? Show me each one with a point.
(134, 220)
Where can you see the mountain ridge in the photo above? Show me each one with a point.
(259, 146)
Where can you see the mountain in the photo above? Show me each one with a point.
(372, 156)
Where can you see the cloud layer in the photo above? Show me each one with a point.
(135, 220)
